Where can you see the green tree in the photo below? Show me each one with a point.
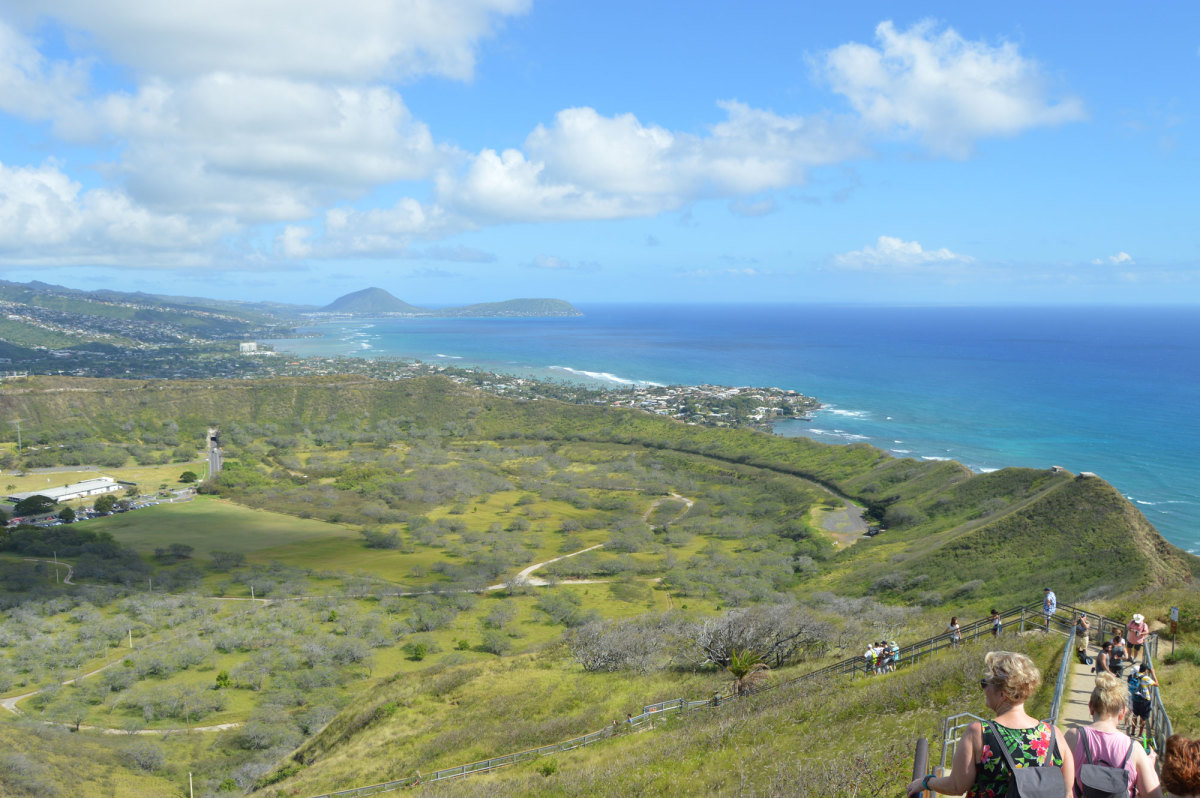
(188, 477)
(34, 505)
(104, 504)
(747, 669)
(66, 515)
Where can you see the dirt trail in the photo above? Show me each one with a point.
(654, 506)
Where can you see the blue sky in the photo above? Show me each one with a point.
(468, 150)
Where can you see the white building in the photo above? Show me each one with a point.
(77, 490)
(248, 348)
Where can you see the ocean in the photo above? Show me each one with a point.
(1115, 391)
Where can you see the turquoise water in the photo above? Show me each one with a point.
(1110, 390)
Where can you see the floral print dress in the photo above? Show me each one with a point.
(1028, 748)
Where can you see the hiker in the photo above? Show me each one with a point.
(885, 657)
(955, 632)
(1181, 767)
(1049, 605)
(1118, 654)
(869, 659)
(879, 654)
(894, 653)
(1104, 660)
(1082, 629)
(1103, 744)
(989, 750)
(1135, 632)
(997, 623)
(1141, 681)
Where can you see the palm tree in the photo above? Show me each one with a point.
(747, 669)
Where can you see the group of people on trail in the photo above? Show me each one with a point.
(1015, 754)
(881, 657)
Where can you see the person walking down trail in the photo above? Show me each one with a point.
(1181, 767)
(955, 632)
(1105, 756)
(1015, 746)
(1049, 605)
(1135, 632)
(1141, 681)
(997, 623)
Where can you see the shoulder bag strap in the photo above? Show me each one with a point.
(1087, 749)
(1008, 760)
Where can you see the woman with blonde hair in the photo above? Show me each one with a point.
(989, 750)
(1181, 767)
(1102, 743)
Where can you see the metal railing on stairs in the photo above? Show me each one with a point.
(909, 655)
(1064, 621)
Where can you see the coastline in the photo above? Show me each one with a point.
(1091, 389)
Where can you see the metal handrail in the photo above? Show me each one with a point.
(921, 763)
(1061, 685)
(1160, 721)
(909, 655)
(952, 728)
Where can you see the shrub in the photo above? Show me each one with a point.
(145, 755)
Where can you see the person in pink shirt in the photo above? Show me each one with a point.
(1107, 745)
(1135, 635)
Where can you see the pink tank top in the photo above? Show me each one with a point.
(1108, 748)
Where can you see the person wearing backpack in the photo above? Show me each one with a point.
(1109, 763)
(1013, 756)
(1141, 681)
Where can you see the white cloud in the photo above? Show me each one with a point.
(46, 217)
(745, 271)
(761, 207)
(550, 262)
(944, 89)
(353, 40)
(1115, 260)
(891, 253)
(589, 166)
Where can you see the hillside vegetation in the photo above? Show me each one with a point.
(541, 568)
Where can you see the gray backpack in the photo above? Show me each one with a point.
(1043, 781)
(1102, 781)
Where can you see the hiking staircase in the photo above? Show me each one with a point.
(1023, 617)
(1063, 708)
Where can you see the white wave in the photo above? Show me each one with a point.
(933, 457)
(1148, 504)
(987, 470)
(450, 357)
(897, 441)
(902, 451)
(837, 411)
(365, 345)
(607, 377)
(839, 434)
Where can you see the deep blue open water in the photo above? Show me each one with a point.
(1110, 390)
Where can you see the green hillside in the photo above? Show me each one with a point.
(380, 527)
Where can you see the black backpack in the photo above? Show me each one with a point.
(1102, 781)
(1043, 781)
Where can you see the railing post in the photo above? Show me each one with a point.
(1022, 619)
(921, 760)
